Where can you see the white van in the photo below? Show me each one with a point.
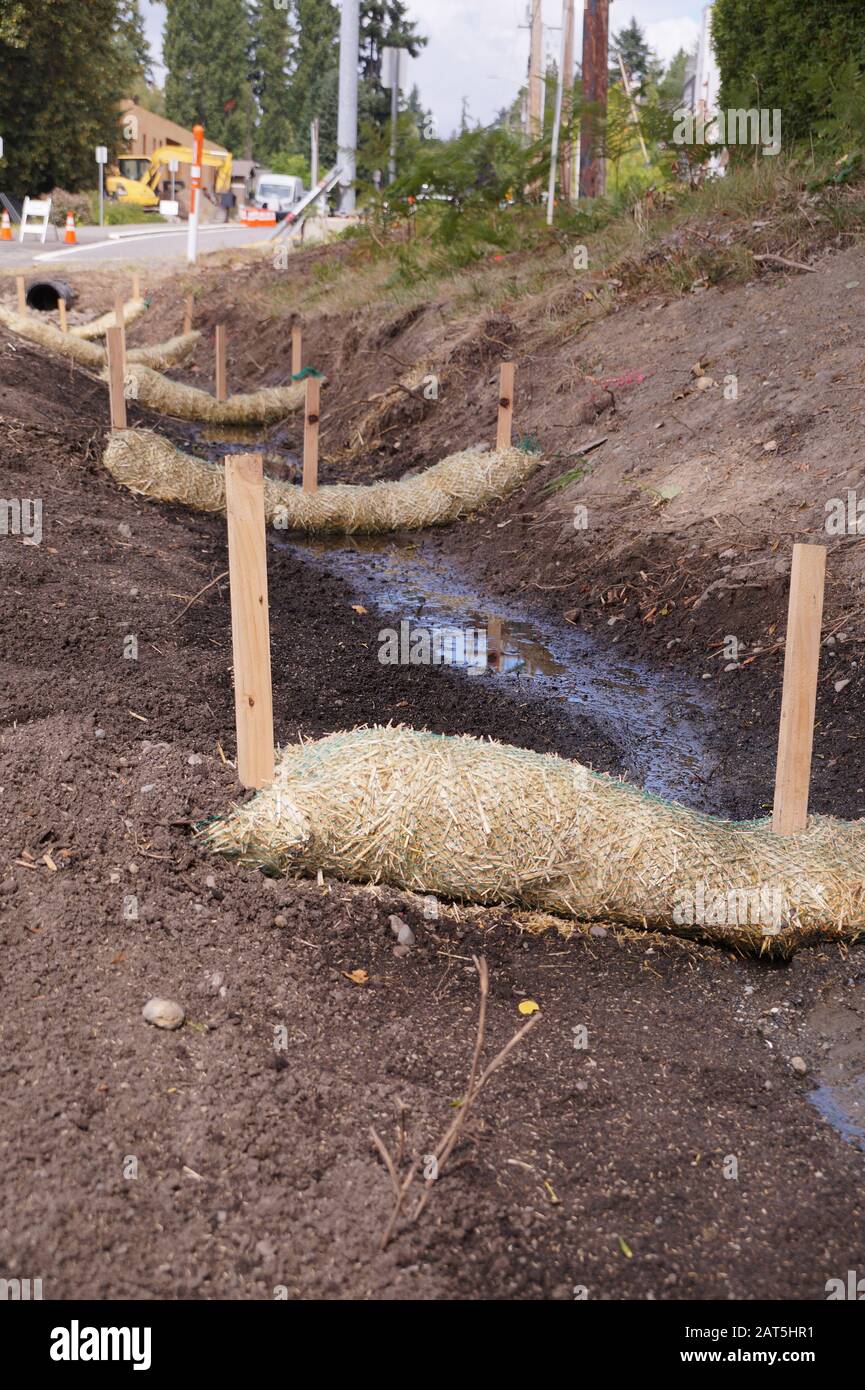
(278, 193)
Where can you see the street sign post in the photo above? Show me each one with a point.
(101, 160)
(173, 166)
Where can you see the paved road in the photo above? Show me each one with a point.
(97, 245)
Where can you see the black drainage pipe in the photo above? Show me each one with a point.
(46, 294)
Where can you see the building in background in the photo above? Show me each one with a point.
(144, 132)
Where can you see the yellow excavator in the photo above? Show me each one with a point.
(136, 179)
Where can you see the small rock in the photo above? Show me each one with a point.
(194, 759)
(163, 1013)
(402, 951)
(839, 685)
(125, 529)
(210, 881)
(280, 921)
(215, 982)
(799, 1064)
(597, 931)
(401, 930)
(99, 733)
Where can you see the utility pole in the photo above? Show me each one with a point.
(536, 77)
(346, 136)
(596, 38)
(557, 118)
(567, 160)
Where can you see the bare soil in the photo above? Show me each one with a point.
(607, 1168)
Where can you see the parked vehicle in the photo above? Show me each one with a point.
(279, 193)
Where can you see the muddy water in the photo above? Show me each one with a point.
(654, 718)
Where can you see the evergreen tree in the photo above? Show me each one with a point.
(672, 84)
(207, 51)
(65, 68)
(769, 55)
(314, 87)
(274, 41)
(641, 63)
(132, 38)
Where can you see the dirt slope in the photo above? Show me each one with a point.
(604, 1168)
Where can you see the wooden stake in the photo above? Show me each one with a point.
(22, 294)
(61, 305)
(221, 374)
(187, 316)
(799, 698)
(136, 286)
(296, 350)
(506, 405)
(250, 626)
(310, 434)
(120, 322)
(116, 367)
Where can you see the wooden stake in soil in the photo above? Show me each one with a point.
(116, 367)
(136, 286)
(250, 625)
(120, 322)
(310, 434)
(221, 373)
(61, 306)
(22, 294)
(506, 405)
(799, 698)
(187, 314)
(296, 350)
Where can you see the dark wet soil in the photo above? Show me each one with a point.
(678, 1155)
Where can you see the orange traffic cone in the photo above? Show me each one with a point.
(70, 238)
(5, 227)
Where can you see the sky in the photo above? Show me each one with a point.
(477, 49)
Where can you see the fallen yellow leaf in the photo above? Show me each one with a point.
(357, 977)
(528, 1006)
(358, 608)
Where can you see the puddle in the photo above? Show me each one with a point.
(837, 1032)
(652, 717)
(843, 1106)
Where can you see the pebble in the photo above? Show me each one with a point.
(280, 921)
(215, 982)
(401, 930)
(100, 733)
(597, 931)
(194, 759)
(798, 1064)
(163, 1013)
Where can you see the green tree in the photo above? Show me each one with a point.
(672, 84)
(132, 38)
(207, 51)
(65, 67)
(641, 63)
(274, 46)
(314, 87)
(769, 54)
